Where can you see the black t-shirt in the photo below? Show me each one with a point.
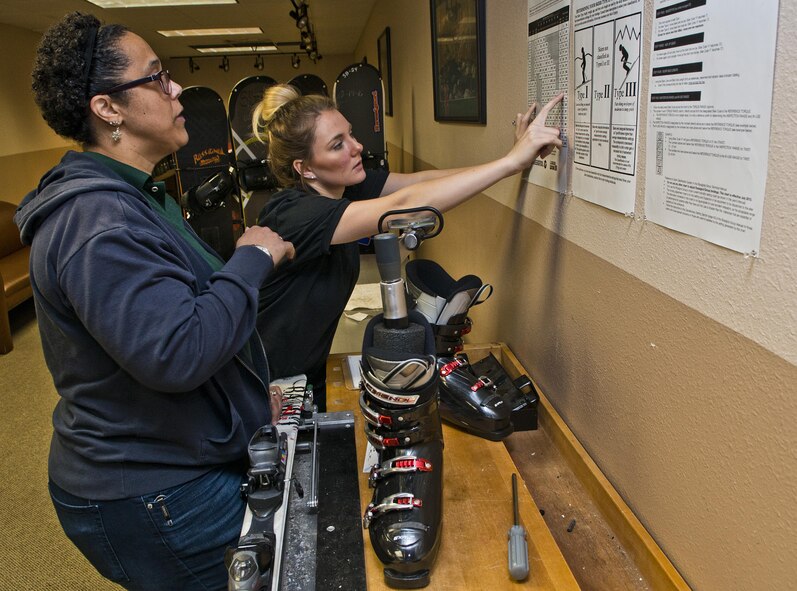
(302, 300)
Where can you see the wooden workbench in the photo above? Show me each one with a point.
(477, 511)
(588, 538)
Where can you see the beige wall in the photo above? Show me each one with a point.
(672, 359)
(28, 147)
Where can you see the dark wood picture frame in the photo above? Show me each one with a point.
(458, 60)
(386, 68)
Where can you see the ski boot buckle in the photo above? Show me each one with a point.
(396, 502)
(399, 465)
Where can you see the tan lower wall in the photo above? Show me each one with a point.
(691, 421)
(21, 172)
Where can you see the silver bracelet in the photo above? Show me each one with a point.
(266, 250)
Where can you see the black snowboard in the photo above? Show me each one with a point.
(309, 84)
(255, 180)
(205, 155)
(359, 95)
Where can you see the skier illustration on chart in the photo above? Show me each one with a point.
(623, 58)
(627, 45)
(583, 60)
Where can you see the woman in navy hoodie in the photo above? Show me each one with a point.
(149, 335)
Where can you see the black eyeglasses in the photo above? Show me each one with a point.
(162, 77)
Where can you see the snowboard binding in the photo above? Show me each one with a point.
(399, 401)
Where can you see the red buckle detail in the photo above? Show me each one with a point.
(479, 384)
(458, 348)
(390, 441)
(419, 464)
(466, 329)
(451, 366)
(384, 420)
(409, 501)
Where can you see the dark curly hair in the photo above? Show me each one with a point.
(60, 88)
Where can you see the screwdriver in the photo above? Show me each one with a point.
(518, 547)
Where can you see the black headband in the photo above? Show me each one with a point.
(88, 57)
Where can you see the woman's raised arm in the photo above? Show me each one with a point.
(449, 190)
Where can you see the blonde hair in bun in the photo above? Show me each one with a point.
(285, 120)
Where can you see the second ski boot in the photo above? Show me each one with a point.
(472, 401)
(399, 401)
(467, 399)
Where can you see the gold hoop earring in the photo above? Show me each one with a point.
(116, 134)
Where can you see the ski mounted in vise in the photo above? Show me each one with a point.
(285, 532)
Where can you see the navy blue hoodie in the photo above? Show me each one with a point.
(141, 337)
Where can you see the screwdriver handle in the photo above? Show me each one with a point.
(518, 550)
(518, 553)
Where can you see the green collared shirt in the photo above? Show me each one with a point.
(161, 201)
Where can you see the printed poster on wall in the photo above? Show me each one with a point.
(549, 46)
(607, 52)
(708, 123)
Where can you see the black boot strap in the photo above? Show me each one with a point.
(453, 328)
(400, 418)
(398, 398)
(382, 438)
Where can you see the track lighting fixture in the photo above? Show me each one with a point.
(259, 62)
(300, 14)
(192, 67)
(295, 61)
(308, 41)
(225, 64)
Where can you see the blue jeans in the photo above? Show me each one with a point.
(171, 539)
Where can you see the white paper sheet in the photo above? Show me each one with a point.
(548, 47)
(708, 119)
(607, 63)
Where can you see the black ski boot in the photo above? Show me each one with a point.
(399, 402)
(467, 399)
(472, 401)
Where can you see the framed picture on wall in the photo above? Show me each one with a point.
(383, 52)
(458, 61)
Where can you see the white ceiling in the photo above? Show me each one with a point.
(337, 24)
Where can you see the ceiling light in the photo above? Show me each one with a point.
(300, 16)
(210, 32)
(259, 62)
(221, 49)
(295, 61)
(150, 3)
(225, 64)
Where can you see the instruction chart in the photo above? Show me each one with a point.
(548, 46)
(607, 51)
